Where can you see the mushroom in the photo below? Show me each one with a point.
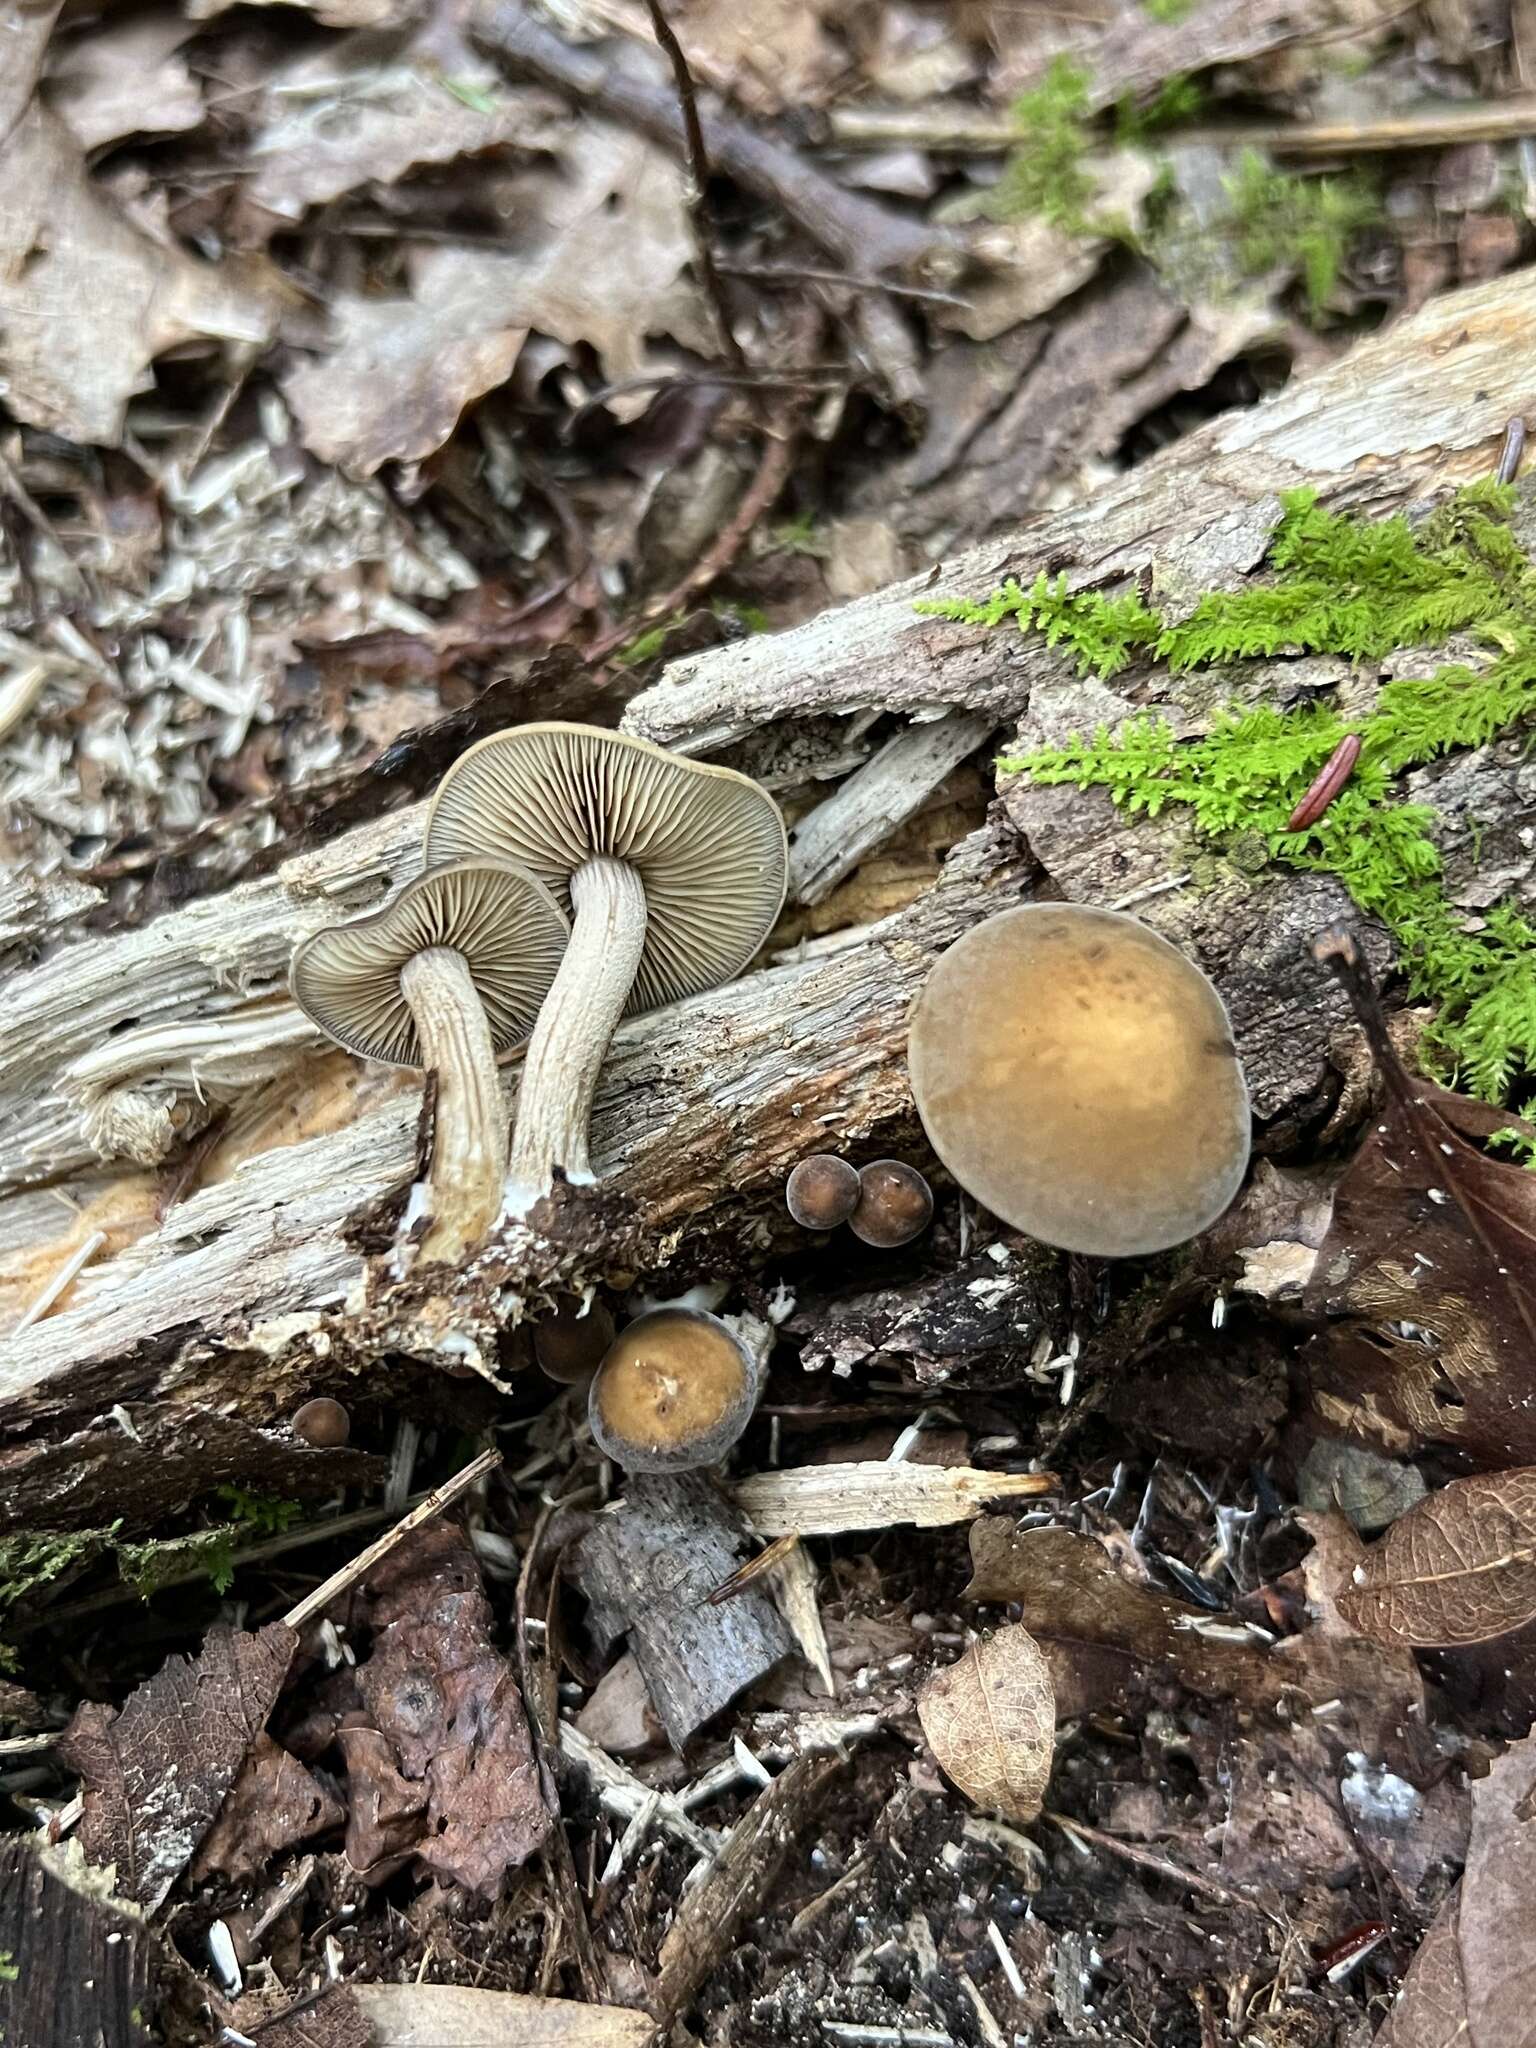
(822, 1192)
(674, 870)
(895, 1204)
(322, 1422)
(1076, 1074)
(571, 1344)
(675, 1391)
(453, 969)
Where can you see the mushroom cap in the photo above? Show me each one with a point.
(570, 1346)
(895, 1204)
(499, 917)
(321, 1422)
(708, 844)
(1076, 1074)
(822, 1192)
(675, 1391)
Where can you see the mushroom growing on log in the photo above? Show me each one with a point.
(453, 969)
(674, 870)
(1076, 1073)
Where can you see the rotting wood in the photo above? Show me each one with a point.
(76, 1963)
(647, 1569)
(829, 1500)
(456, 2016)
(240, 1295)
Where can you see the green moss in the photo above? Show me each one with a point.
(1280, 220)
(1176, 100)
(1045, 175)
(9, 1968)
(1169, 12)
(1359, 589)
(31, 1558)
(168, 1560)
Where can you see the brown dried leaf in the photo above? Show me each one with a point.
(126, 78)
(1473, 1981)
(273, 1804)
(87, 302)
(156, 1772)
(1104, 1637)
(1458, 1568)
(1426, 1282)
(445, 1699)
(990, 1719)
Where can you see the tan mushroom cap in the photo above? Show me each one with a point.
(708, 844)
(503, 921)
(675, 1391)
(1076, 1074)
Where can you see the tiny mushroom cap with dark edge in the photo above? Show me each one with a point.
(675, 1391)
(895, 1204)
(448, 973)
(1076, 1074)
(322, 1422)
(571, 1342)
(822, 1192)
(674, 870)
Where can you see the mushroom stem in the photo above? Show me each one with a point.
(469, 1129)
(566, 1051)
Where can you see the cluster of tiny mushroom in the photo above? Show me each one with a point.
(1073, 1071)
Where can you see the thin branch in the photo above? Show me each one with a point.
(814, 376)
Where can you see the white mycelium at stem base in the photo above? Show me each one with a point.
(570, 1040)
(469, 1127)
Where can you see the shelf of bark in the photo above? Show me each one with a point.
(130, 1060)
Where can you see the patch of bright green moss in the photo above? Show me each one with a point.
(31, 1558)
(1278, 219)
(1360, 589)
(1045, 175)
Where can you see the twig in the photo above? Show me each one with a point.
(1147, 1860)
(439, 1498)
(812, 376)
(1512, 451)
(772, 475)
(27, 505)
(698, 183)
(849, 227)
(80, 1257)
(800, 273)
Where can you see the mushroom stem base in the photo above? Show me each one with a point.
(469, 1133)
(570, 1040)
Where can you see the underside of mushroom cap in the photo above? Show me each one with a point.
(502, 919)
(1077, 1075)
(708, 844)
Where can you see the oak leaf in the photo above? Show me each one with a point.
(990, 1719)
(1458, 1568)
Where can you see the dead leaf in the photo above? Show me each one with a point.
(446, 1700)
(454, 2016)
(352, 114)
(331, 13)
(601, 256)
(771, 55)
(1426, 1282)
(1378, 1687)
(126, 78)
(385, 1812)
(990, 1719)
(87, 302)
(156, 1771)
(1474, 1979)
(274, 1804)
(1106, 1639)
(333, 2020)
(1458, 1568)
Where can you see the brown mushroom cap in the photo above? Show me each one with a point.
(1076, 1074)
(503, 921)
(570, 1346)
(675, 1391)
(322, 1422)
(895, 1204)
(822, 1192)
(708, 844)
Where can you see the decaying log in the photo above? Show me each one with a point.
(76, 1964)
(647, 1570)
(249, 1291)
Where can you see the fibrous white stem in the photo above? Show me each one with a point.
(469, 1132)
(570, 1039)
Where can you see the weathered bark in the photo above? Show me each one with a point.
(249, 1291)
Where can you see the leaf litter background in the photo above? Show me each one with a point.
(351, 379)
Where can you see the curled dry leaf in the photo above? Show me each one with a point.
(1425, 1285)
(990, 1719)
(1458, 1568)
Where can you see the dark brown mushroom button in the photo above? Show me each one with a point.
(895, 1204)
(571, 1344)
(322, 1422)
(822, 1192)
(675, 1391)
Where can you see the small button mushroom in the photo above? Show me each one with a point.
(674, 870)
(1076, 1074)
(452, 970)
(675, 1391)
(822, 1192)
(570, 1344)
(322, 1422)
(895, 1204)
